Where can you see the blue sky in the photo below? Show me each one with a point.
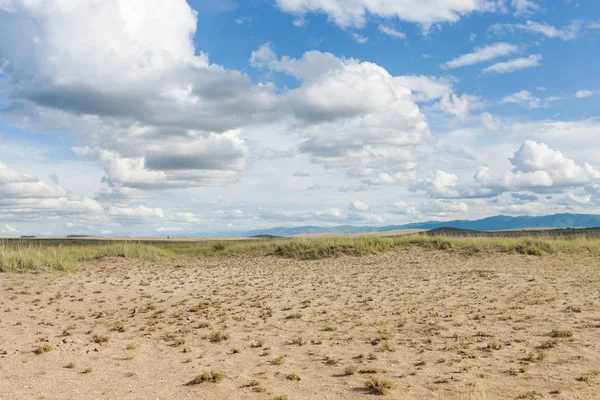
(144, 118)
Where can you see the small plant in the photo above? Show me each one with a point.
(350, 369)
(100, 339)
(494, 345)
(218, 336)
(45, 348)
(331, 361)
(292, 377)
(118, 327)
(207, 377)
(557, 333)
(379, 386)
(530, 395)
(70, 366)
(278, 361)
(298, 341)
(548, 344)
(131, 351)
(87, 371)
(386, 346)
(221, 246)
(256, 386)
(235, 351)
(583, 378)
(537, 356)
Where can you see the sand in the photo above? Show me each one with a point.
(435, 324)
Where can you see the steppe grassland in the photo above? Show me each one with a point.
(345, 317)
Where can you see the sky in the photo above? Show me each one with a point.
(156, 118)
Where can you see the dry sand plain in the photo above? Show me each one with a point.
(435, 324)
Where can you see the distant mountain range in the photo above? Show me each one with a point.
(497, 223)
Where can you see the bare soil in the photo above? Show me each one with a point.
(435, 324)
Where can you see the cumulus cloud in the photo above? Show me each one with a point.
(350, 114)
(25, 197)
(536, 167)
(360, 206)
(441, 184)
(482, 54)
(515, 64)
(354, 13)
(187, 217)
(178, 164)
(132, 85)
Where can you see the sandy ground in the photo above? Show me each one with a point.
(437, 325)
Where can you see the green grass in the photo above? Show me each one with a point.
(70, 255)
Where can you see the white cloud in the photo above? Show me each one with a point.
(459, 106)
(388, 30)
(230, 214)
(27, 197)
(199, 160)
(514, 64)
(352, 115)
(585, 199)
(135, 213)
(569, 32)
(170, 229)
(426, 88)
(360, 206)
(482, 54)
(523, 7)
(9, 229)
(490, 121)
(537, 167)
(187, 217)
(353, 14)
(359, 38)
(581, 94)
(124, 75)
(441, 184)
(300, 22)
(330, 212)
(524, 98)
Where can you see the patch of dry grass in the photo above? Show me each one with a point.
(31, 255)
